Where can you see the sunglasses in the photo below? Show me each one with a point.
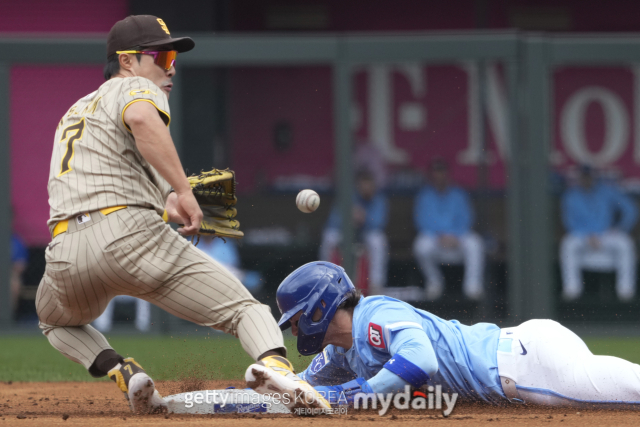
(164, 59)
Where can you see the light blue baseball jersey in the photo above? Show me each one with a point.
(466, 355)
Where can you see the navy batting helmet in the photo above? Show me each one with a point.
(315, 286)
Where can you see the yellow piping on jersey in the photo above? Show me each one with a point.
(107, 211)
(63, 226)
(142, 92)
(168, 117)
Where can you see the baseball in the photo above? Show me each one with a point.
(307, 201)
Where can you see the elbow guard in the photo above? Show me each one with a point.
(408, 371)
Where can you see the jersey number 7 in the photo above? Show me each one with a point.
(70, 134)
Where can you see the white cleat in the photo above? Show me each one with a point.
(143, 396)
(291, 391)
(138, 388)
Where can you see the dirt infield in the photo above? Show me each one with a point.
(75, 403)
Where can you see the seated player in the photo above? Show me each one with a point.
(443, 216)
(598, 218)
(379, 344)
(370, 215)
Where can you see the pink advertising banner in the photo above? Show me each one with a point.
(40, 96)
(409, 112)
(413, 113)
(597, 118)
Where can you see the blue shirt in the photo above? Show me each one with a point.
(593, 211)
(447, 212)
(377, 209)
(466, 355)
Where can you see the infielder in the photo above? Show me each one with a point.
(114, 174)
(380, 344)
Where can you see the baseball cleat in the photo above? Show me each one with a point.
(138, 387)
(275, 375)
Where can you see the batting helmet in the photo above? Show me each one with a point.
(314, 286)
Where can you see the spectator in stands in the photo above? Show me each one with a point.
(443, 217)
(19, 260)
(370, 211)
(226, 253)
(589, 212)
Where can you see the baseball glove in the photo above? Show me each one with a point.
(215, 192)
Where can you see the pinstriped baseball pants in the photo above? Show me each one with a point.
(133, 252)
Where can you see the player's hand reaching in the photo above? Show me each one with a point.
(171, 210)
(189, 211)
(178, 212)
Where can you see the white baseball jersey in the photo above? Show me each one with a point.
(95, 162)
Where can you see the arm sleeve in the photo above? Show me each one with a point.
(414, 345)
(628, 210)
(328, 368)
(413, 362)
(396, 332)
(139, 89)
(386, 381)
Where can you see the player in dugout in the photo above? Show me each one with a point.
(380, 345)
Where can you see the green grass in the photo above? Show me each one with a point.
(215, 357)
(625, 348)
(165, 358)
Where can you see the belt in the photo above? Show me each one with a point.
(63, 226)
(510, 390)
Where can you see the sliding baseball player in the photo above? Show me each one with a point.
(380, 345)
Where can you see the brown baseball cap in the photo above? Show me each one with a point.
(144, 31)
